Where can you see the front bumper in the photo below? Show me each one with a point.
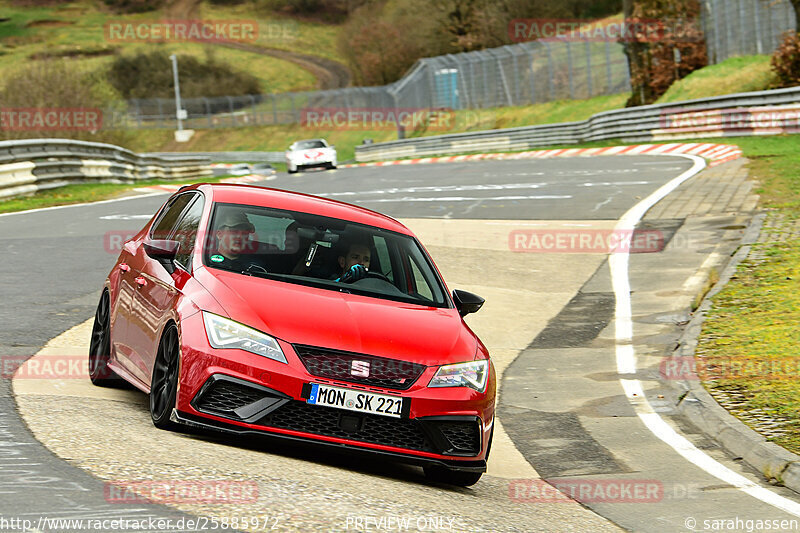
(239, 392)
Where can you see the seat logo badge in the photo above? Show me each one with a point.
(359, 369)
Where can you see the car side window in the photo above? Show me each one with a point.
(186, 232)
(162, 229)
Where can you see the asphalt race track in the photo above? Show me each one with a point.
(549, 322)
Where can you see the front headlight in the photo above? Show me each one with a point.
(224, 333)
(474, 374)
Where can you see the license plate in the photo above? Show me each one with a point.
(355, 400)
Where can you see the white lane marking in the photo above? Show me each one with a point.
(480, 187)
(469, 199)
(626, 359)
(137, 197)
(441, 188)
(126, 217)
(610, 183)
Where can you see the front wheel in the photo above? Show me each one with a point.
(100, 346)
(440, 474)
(164, 384)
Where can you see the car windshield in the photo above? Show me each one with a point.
(307, 145)
(312, 250)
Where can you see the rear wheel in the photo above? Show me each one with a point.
(164, 384)
(100, 346)
(460, 478)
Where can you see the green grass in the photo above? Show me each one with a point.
(734, 75)
(80, 29)
(278, 138)
(752, 324)
(83, 193)
(284, 33)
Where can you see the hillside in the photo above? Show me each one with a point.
(78, 30)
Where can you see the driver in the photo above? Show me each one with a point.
(232, 240)
(354, 263)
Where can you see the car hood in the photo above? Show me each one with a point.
(329, 319)
(311, 152)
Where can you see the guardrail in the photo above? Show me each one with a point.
(227, 157)
(28, 166)
(755, 113)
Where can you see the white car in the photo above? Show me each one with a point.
(310, 153)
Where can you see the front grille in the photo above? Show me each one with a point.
(464, 436)
(385, 373)
(225, 397)
(374, 429)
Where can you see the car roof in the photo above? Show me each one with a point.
(310, 140)
(295, 201)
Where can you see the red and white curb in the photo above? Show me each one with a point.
(716, 154)
(250, 178)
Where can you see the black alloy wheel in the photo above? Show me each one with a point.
(100, 346)
(164, 385)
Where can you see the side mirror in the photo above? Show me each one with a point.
(163, 251)
(466, 302)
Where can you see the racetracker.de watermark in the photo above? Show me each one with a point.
(204, 31)
(689, 368)
(631, 30)
(260, 242)
(50, 119)
(586, 241)
(377, 118)
(731, 119)
(44, 367)
(219, 492)
(586, 490)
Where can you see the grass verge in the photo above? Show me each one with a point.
(750, 336)
(83, 193)
(278, 138)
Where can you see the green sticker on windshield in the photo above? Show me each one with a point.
(217, 258)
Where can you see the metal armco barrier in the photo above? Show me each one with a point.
(234, 157)
(28, 166)
(756, 113)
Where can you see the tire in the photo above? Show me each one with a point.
(164, 383)
(100, 346)
(290, 171)
(460, 478)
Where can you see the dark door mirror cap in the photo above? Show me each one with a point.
(466, 302)
(163, 251)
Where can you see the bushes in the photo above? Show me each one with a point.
(149, 75)
(57, 85)
(786, 60)
(677, 50)
(134, 6)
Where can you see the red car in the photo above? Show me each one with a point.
(253, 310)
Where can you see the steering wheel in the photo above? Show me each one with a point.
(256, 268)
(378, 275)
